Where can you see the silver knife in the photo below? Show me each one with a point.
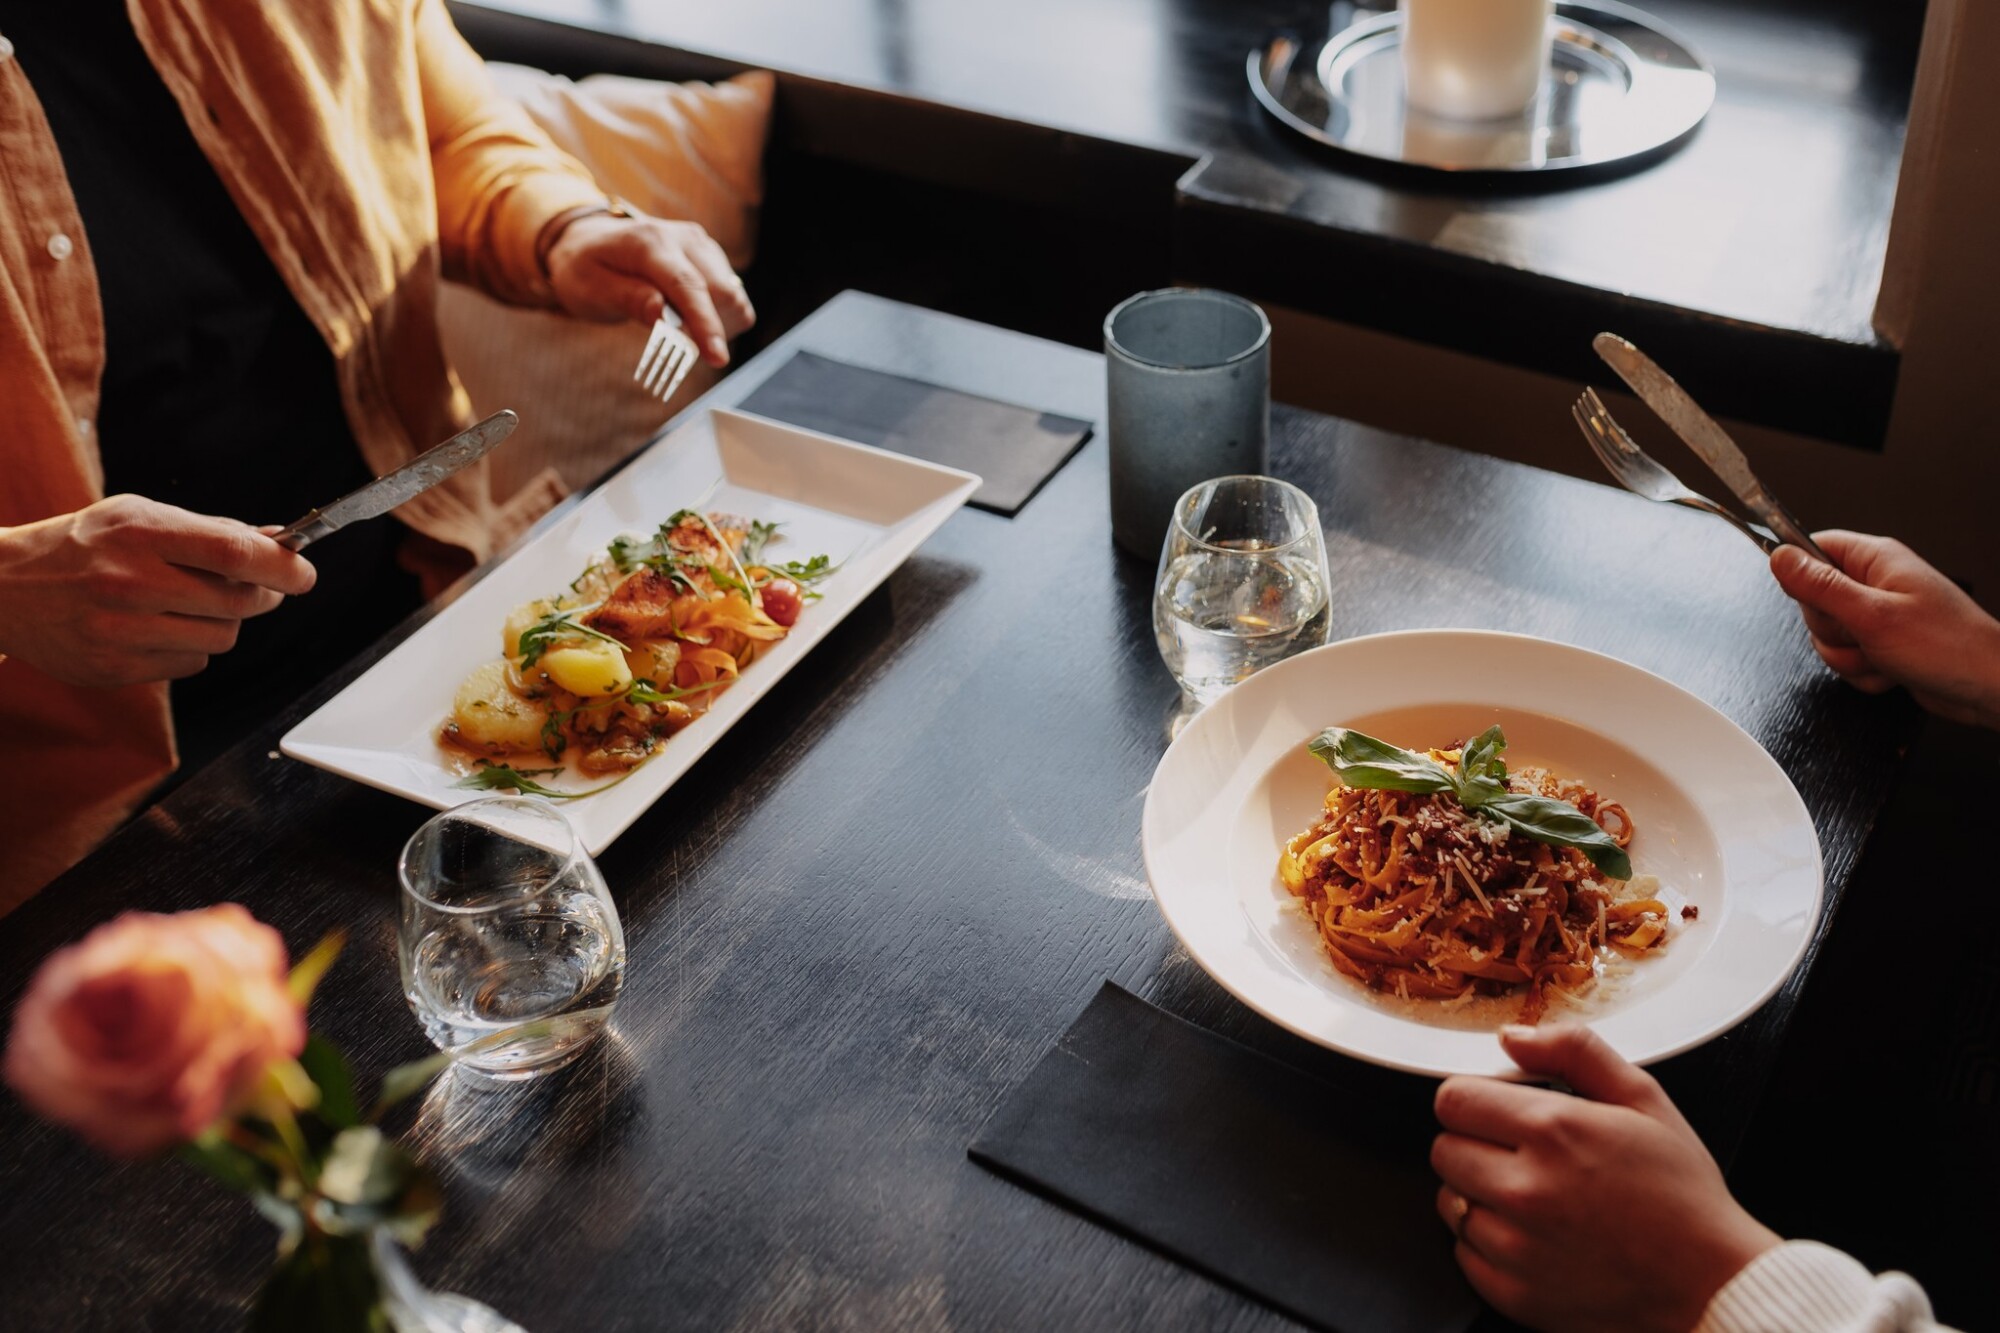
(415, 477)
(1710, 442)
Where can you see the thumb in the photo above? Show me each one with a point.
(1818, 586)
(1584, 1060)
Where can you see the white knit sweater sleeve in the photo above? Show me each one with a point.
(1805, 1287)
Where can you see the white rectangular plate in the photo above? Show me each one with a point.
(866, 508)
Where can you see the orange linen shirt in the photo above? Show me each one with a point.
(371, 156)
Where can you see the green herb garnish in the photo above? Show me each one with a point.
(753, 544)
(805, 572)
(644, 691)
(1480, 784)
(504, 777)
(728, 582)
(553, 740)
(554, 627)
(624, 553)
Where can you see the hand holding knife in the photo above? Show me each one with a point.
(1700, 432)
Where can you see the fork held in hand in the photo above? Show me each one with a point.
(1640, 473)
(670, 354)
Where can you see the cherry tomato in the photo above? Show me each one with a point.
(783, 601)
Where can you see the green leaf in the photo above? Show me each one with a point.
(505, 777)
(222, 1160)
(328, 1068)
(806, 572)
(625, 553)
(328, 1285)
(554, 742)
(369, 1181)
(403, 1080)
(1561, 824)
(1363, 761)
(1480, 784)
(364, 1166)
(1482, 774)
(306, 973)
(555, 627)
(759, 536)
(1481, 757)
(644, 691)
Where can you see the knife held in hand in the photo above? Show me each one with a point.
(415, 477)
(1700, 432)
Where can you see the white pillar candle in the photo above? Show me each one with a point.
(1475, 59)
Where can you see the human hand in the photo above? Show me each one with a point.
(130, 590)
(609, 268)
(1596, 1211)
(1886, 618)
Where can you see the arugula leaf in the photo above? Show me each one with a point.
(624, 553)
(807, 571)
(1363, 761)
(554, 627)
(553, 740)
(1479, 784)
(753, 544)
(504, 777)
(644, 691)
(728, 582)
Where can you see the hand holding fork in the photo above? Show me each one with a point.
(613, 264)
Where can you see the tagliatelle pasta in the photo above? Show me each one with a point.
(1417, 895)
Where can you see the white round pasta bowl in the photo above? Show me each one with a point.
(1718, 822)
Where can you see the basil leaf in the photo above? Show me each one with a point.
(1561, 824)
(1363, 761)
(1481, 757)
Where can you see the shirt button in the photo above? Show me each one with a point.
(60, 246)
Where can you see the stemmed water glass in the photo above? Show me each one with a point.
(511, 951)
(1242, 582)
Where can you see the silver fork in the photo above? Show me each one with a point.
(670, 354)
(1640, 473)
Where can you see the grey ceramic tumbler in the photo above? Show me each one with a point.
(1190, 398)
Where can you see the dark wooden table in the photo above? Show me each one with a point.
(859, 921)
(1748, 260)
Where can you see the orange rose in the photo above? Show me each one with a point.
(153, 1027)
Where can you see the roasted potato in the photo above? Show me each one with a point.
(488, 716)
(588, 668)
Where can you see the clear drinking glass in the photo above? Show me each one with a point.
(511, 951)
(1242, 582)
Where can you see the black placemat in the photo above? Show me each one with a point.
(1312, 1196)
(1014, 449)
